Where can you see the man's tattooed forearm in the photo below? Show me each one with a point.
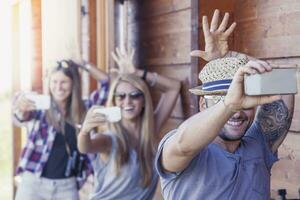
(275, 120)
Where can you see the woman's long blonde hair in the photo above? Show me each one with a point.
(145, 148)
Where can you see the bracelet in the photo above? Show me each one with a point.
(144, 77)
(155, 77)
(87, 66)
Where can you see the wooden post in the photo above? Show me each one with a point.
(37, 69)
(93, 38)
(194, 108)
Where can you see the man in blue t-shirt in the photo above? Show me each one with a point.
(227, 150)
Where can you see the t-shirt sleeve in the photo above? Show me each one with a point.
(162, 173)
(257, 133)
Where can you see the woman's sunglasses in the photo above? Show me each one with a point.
(132, 95)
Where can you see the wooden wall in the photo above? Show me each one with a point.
(270, 30)
(37, 70)
(160, 31)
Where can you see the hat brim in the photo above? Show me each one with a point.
(198, 91)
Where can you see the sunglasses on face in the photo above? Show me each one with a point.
(132, 95)
(212, 100)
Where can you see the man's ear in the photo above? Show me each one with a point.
(202, 104)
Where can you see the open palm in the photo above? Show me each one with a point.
(216, 37)
(124, 59)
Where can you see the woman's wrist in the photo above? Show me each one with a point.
(230, 106)
(21, 116)
(84, 133)
(144, 77)
(154, 79)
(87, 67)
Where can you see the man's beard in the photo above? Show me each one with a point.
(224, 135)
(225, 138)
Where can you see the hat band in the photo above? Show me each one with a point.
(217, 85)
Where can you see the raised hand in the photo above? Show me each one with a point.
(215, 36)
(236, 98)
(93, 120)
(124, 60)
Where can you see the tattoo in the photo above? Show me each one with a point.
(274, 120)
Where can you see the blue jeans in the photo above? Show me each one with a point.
(33, 187)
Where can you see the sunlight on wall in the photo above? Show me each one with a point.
(60, 32)
(5, 89)
(25, 44)
(5, 47)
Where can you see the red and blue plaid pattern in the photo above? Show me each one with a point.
(41, 137)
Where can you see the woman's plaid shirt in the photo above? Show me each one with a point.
(41, 137)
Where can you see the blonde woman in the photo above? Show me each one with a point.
(125, 152)
(50, 165)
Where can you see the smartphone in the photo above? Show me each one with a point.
(42, 102)
(113, 113)
(277, 81)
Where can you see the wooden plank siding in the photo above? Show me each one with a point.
(92, 38)
(37, 69)
(160, 31)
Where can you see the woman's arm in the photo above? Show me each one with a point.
(169, 89)
(95, 72)
(98, 144)
(22, 107)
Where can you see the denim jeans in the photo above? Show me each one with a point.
(33, 187)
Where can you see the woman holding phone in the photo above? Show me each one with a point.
(124, 152)
(50, 165)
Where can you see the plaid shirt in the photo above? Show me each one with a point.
(41, 137)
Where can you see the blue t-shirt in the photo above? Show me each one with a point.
(218, 174)
(125, 186)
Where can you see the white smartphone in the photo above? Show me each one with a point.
(113, 113)
(277, 81)
(42, 102)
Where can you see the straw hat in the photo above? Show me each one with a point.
(217, 75)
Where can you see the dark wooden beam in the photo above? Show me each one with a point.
(37, 69)
(194, 106)
(93, 38)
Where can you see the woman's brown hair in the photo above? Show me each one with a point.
(75, 108)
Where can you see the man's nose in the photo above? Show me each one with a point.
(59, 86)
(237, 114)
